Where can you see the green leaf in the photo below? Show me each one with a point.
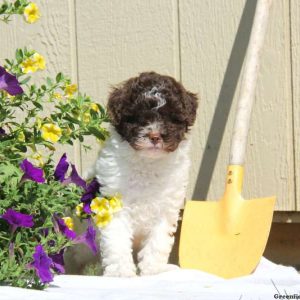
(71, 119)
(102, 110)
(19, 55)
(59, 77)
(96, 132)
(17, 4)
(18, 238)
(22, 148)
(37, 104)
(70, 142)
(48, 145)
(25, 80)
(8, 62)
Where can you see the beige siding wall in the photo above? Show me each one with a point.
(202, 43)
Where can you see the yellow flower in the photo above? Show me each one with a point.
(100, 206)
(31, 13)
(33, 63)
(101, 220)
(69, 222)
(39, 60)
(79, 210)
(39, 158)
(51, 132)
(86, 118)
(21, 137)
(115, 203)
(94, 107)
(57, 96)
(70, 89)
(29, 66)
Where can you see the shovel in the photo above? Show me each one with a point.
(228, 237)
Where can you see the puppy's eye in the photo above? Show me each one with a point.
(130, 119)
(176, 121)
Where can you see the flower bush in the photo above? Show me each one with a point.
(35, 191)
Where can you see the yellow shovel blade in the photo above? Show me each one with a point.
(209, 242)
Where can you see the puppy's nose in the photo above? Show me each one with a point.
(154, 137)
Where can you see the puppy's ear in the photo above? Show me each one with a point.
(114, 105)
(119, 100)
(190, 101)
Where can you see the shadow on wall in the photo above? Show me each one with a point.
(224, 102)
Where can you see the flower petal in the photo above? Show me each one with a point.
(31, 13)
(75, 178)
(2, 132)
(63, 228)
(90, 191)
(18, 219)
(31, 172)
(61, 168)
(87, 208)
(58, 262)
(9, 83)
(51, 132)
(41, 263)
(89, 238)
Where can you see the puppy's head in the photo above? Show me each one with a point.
(152, 113)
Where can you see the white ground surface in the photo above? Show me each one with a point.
(269, 281)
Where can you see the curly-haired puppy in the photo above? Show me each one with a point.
(146, 159)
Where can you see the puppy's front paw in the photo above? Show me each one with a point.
(116, 270)
(151, 269)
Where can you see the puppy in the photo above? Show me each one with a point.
(146, 160)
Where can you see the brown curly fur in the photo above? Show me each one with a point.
(130, 110)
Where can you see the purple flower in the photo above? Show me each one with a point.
(9, 83)
(89, 195)
(44, 231)
(87, 207)
(16, 219)
(31, 172)
(51, 243)
(75, 178)
(42, 263)
(91, 190)
(58, 262)
(60, 226)
(89, 238)
(2, 132)
(61, 168)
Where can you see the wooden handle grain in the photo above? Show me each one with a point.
(248, 84)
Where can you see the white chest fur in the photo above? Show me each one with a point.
(150, 187)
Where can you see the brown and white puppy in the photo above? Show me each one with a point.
(146, 160)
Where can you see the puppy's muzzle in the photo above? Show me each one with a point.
(155, 137)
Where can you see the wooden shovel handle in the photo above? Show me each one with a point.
(248, 84)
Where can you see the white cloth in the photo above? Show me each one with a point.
(269, 281)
